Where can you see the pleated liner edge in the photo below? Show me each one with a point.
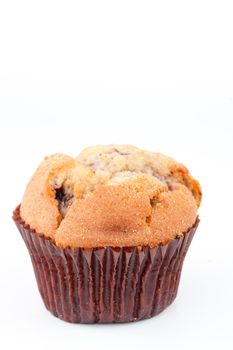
(105, 285)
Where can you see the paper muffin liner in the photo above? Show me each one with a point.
(105, 285)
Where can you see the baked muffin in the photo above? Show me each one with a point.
(108, 231)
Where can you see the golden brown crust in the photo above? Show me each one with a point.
(121, 216)
(39, 207)
(111, 196)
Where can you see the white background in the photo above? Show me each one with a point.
(155, 74)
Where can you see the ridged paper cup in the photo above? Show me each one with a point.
(105, 285)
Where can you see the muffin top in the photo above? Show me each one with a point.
(114, 195)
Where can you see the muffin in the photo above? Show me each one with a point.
(108, 232)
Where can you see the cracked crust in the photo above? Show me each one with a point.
(111, 196)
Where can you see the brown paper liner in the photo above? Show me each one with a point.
(105, 285)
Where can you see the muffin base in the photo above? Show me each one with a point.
(105, 285)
